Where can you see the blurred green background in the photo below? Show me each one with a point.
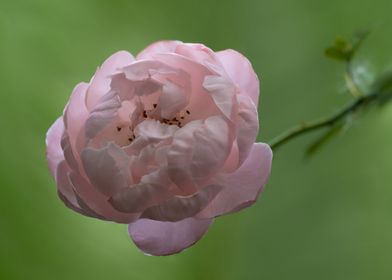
(325, 218)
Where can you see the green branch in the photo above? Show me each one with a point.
(359, 103)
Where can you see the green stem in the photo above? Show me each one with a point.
(296, 131)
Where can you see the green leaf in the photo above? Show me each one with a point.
(336, 53)
(344, 50)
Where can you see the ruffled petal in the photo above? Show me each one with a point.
(240, 70)
(179, 208)
(167, 238)
(172, 100)
(241, 188)
(179, 156)
(201, 105)
(76, 112)
(139, 197)
(158, 47)
(247, 126)
(212, 146)
(102, 115)
(100, 83)
(68, 195)
(95, 200)
(198, 53)
(107, 168)
(54, 153)
(223, 92)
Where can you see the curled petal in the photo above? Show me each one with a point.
(158, 47)
(54, 153)
(106, 168)
(212, 146)
(166, 238)
(155, 131)
(247, 126)
(223, 92)
(241, 72)
(179, 156)
(201, 104)
(139, 197)
(102, 115)
(198, 53)
(100, 83)
(172, 100)
(178, 208)
(67, 193)
(242, 187)
(96, 201)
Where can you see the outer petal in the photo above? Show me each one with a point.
(54, 153)
(76, 112)
(198, 53)
(67, 194)
(100, 83)
(98, 202)
(158, 47)
(247, 126)
(75, 116)
(167, 238)
(241, 72)
(242, 187)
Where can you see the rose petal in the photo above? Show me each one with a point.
(198, 53)
(172, 100)
(54, 153)
(179, 156)
(100, 83)
(76, 112)
(102, 115)
(166, 238)
(98, 202)
(139, 197)
(64, 184)
(178, 208)
(213, 142)
(158, 47)
(67, 194)
(223, 92)
(106, 168)
(247, 126)
(241, 72)
(241, 188)
(201, 105)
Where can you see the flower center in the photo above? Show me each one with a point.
(127, 130)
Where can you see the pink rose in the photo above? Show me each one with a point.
(163, 142)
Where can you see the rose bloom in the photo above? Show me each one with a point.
(163, 142)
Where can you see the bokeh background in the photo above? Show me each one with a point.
(329, 217)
